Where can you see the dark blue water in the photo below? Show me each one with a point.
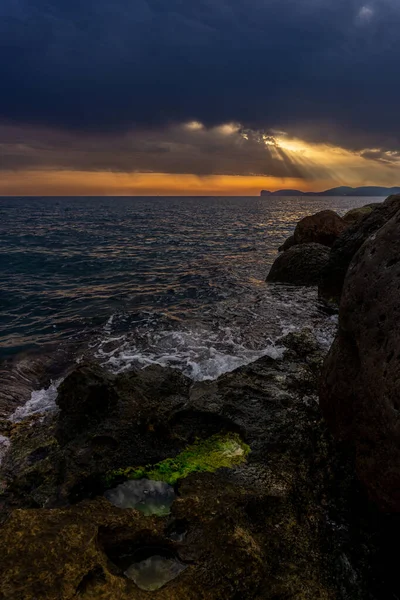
(126, 275)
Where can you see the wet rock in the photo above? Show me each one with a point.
(4, 446)
(29, 464)
(177, 530)
(360, 387)
(322, 228)
(135, 432)
(300, 265)
(348, 244)
(22, 375)
(84, 397)
(5, 427)
(32, 371)
(149, 497)
(287, 244)
(356, 214)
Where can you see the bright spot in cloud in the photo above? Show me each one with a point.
(194, 126)
(291, 145)
(365, 15)
(228, 128)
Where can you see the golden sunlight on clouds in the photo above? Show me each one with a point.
(224, 129)
(315, 167)
(70, 183)
(330, 166)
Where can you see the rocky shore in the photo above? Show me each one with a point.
(277, 481)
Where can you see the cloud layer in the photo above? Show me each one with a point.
(179, 149)
(323, 70)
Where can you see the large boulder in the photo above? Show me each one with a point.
(356, 214)
(300, 265)
(350, 241)
(322, 228)
(360, 388)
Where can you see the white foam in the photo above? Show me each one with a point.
(214, 339)
(4, 446)
(41, 401)
(202, 355)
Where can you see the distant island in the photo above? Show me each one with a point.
(338, 191)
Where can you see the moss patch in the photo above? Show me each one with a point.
(203, 456)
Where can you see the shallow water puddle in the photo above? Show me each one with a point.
(147, 496)
(155, 572)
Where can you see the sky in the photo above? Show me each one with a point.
(197, 97)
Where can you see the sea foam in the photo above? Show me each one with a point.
(41, 401)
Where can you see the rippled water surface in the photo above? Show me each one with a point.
(176, 281)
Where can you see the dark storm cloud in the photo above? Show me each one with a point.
(388, 157)
(176, 149)
(325, 68)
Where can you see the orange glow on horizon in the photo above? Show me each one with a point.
(317, 167)
(84, 183)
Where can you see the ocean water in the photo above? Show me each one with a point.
(137, 281)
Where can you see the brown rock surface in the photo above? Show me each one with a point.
(300, 265)
(356, 214)
(322, 228)
(360, 389)
(348, 244)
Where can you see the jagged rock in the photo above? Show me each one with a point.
(300, 265)
(356, 214)
(322, 228)
(360, 389)
(350, 241)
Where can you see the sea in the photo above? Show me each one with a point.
(134, 281)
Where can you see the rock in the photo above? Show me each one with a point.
(288, 244)
(27, 372)
(350, 241)
(356, 214)
(360, 389)
(4, 446)
(300, 265)
(85, 396)
(271, 526)
(322, 228)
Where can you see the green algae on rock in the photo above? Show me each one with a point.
(204, 456)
